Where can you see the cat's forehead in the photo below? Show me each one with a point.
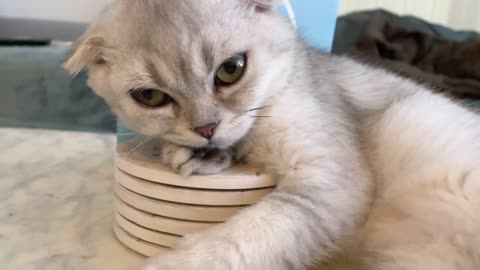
(177, 27)
(173, 17)
(178, 39)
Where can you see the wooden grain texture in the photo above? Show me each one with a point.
(159, 223)
(190, 196)
(155, 237)
(145, 163)
(136, 244)
(176, 210)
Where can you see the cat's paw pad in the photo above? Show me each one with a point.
(206, 162)
(186, 161)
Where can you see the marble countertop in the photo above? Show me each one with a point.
(56, 202)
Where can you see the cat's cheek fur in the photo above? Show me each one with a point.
(228, 135)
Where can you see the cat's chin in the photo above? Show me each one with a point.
(221, 145)
(210, 146)
(219, 141)
(214, 144)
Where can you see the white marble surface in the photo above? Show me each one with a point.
(56, 202)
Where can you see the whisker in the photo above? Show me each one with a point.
(260, 116)
(260, 126)
(258, 108)
(140, 144)
(340, 140)
(341, 121)
(259, 123)
(126, 134)
(333, 128)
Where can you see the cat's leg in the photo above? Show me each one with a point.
(323, 197)
(431, 229)
(187, 161)
(425, 153)
(286, 231)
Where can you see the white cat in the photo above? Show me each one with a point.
(375, 171)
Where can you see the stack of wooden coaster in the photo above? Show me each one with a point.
(154, 206)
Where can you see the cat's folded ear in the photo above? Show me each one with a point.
(264, 5)
(87, 50)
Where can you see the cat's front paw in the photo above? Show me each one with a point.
(204, 255)
(187, 161)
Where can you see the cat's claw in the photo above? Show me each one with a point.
(186, 161)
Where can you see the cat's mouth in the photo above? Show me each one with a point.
(210, 145)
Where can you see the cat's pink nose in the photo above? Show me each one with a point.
(207, 131)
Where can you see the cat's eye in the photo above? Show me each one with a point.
(231, 70)
(151, 97)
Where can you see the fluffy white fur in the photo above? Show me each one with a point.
(375, 171)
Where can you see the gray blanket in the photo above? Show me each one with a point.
(446, 63)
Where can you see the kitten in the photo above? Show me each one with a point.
(374, 170)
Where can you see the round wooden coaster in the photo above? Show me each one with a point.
(143, 247)
(159, 223)
(162, 239)
(175, 210)
(190, 196)
(143, 161)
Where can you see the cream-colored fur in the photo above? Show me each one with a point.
(374, 171)
(424, 152)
